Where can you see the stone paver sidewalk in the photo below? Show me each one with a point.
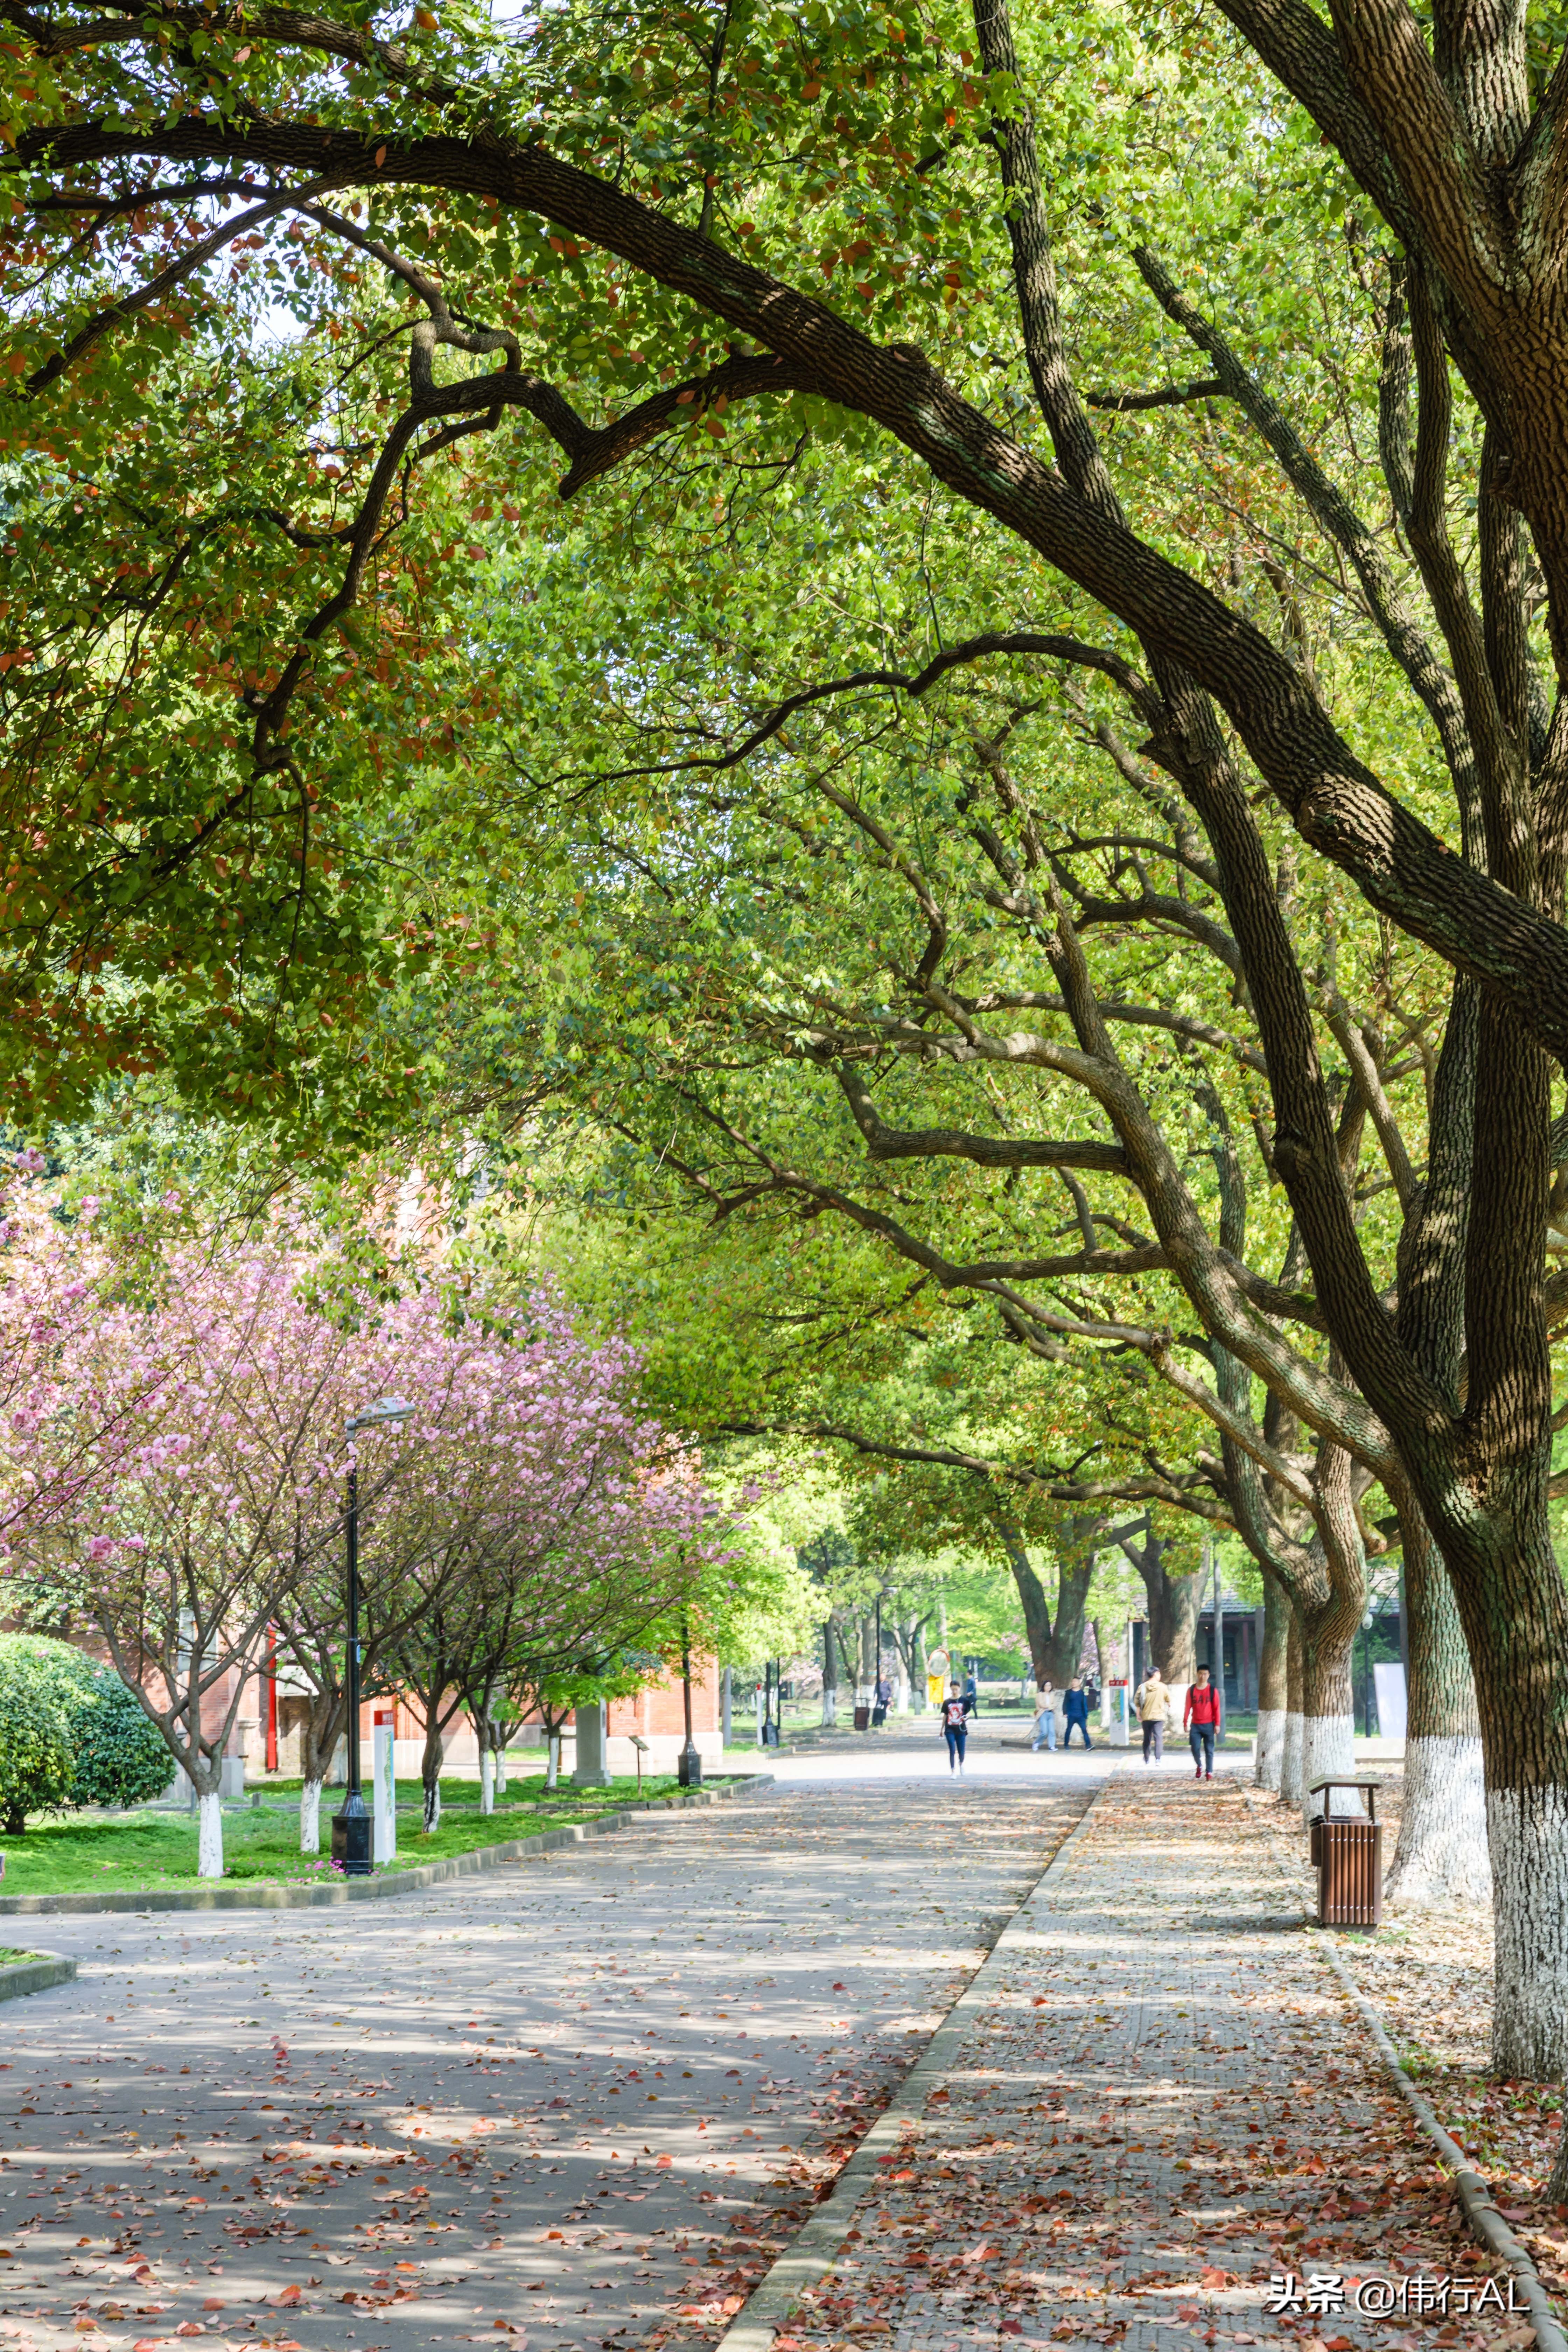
(1162, 2100)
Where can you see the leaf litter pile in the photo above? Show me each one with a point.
(1163, 2101)
(1428, 1974)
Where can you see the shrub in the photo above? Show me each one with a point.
(39, 1686)
(122, 1759)
(71, 1733)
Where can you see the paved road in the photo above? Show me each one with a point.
(550, 2101)
(1160, 2102)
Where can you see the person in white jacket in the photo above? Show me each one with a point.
(1045, 1720)
(1153, 1700)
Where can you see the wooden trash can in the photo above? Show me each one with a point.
(1347, 1853)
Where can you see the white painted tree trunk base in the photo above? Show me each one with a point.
(1270, 1748)
(1527, 1833)
(1291, 1759)
(553, 1766)
(1441, 1858)
(209, 1835)
(432, 1807)
(830, 1708)
(488, 1781)
(311, 1817)
(1328, 1745)
(501, 1772)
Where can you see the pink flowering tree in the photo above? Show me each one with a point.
(520, 1428)
(206, 1462)
(176, 1457)
(49, 1280)
(570, 1525)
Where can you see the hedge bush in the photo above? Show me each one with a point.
(71, 1733)
(122, 1759)
(38, 1697)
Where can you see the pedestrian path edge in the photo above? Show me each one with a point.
(374, 1890)
(34, 1975)
(1475, 2193)
(812, 2252)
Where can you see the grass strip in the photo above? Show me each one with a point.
(146, 1849)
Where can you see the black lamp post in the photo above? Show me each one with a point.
(352, 1828)
(689, 1767)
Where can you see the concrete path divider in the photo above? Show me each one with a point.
(36, 1973)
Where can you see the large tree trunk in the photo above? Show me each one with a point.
(1273, 1681)
(1328, 1631)
(1516, 1624)
(1328, 1706)
(430, 1774)
(829, 1673)
(1441, 1858)
(209, 1835)
(318, 1738)
(1290, 1753)
(1174, 1603)
(1055, 1646)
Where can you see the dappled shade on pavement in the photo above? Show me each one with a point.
(581, 2103)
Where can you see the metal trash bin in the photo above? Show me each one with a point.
(862, 1719)
(1347, 1853)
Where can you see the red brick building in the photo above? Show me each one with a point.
(655, 1714)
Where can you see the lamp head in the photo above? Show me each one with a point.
(384, 1409)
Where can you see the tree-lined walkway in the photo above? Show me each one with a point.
(587, 2101)
(1162, 2102)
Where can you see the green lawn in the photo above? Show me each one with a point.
(11, 1953)
(153, 1850)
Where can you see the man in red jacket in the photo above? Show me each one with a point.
(1203, 1715)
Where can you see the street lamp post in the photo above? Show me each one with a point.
(352, 1828)
(689, 1768)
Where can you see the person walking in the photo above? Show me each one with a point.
(884, 1701)
(955, 1727)
(971, 1697)
(1153, 1700)
(1075, 1707)
(1045, 1720)
(1203, 1718)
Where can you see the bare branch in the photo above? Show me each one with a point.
(1170, 395)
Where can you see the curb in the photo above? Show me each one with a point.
(37, 1975)
(811, 2254)
(1474, 2193)
(373, 1890)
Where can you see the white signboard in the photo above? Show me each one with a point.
(385, 1793)
(1388, 1682)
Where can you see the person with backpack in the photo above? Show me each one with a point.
(954, 1726)
(1075, 1707)
(1153, 1700)
(1203, 1717)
